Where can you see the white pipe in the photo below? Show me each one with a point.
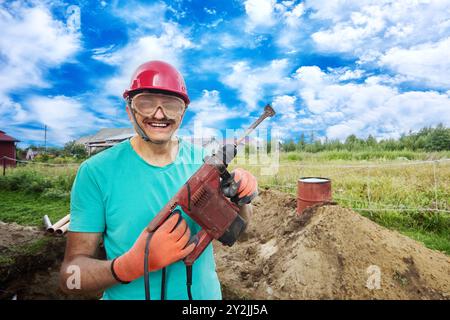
(47, 222)
(59, 224)
(62, 230)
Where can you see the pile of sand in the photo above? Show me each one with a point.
(328, 253)
(15, 234)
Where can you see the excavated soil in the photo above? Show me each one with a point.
(29, 264)
(327, 253)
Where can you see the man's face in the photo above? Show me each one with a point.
(159, 115)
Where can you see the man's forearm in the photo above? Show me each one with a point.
(84, 274)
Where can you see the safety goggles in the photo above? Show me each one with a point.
(146, 104)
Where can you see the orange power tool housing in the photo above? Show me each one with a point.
(202, 199)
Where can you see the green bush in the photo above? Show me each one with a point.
(294, 157)
(28, 180)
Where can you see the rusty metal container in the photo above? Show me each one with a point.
(311, 191)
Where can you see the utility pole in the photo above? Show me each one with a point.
(45, 138)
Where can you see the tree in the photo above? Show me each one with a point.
(289, 146)
(439, 139)
(73, 149)
(301, 142)
(371, 141)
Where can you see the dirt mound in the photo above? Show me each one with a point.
(29, 264)
(328, 253)
(15, 234)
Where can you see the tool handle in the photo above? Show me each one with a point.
(202, 240)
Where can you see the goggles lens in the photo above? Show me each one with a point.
(147, 103)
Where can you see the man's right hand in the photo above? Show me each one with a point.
(167, 246)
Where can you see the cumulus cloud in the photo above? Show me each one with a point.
(65, 117)
(210, 111)
(210, 118)
(369, 107)
(32, 41)
(409, 37)
(142, 17)
(260, 13)
(168, 46)
(426, 62)
(251, 82)
(281, 19)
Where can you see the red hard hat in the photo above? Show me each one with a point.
(158, 76)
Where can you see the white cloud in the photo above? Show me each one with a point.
(292, 17)
(210, 11)
(367, 108)
(260, 13)
(251, 82)
(142, 17)
(285, 107)
(345, 73)
(426, 62)
(281, 19)
(168, 46)
(287, 115)
(408, 36)
(32, 41)
(210, 111)
(65, 117)
(11, 112)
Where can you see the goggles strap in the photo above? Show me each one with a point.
(137, 127)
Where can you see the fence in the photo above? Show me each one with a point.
(433, 176)
(3, 161)
(438, 183)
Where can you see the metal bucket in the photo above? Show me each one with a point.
(311, 191)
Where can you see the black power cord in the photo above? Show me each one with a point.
(163, 284)
(146, 275)
(189, 281)
(163, 274)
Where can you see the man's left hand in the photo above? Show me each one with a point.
(242, 188)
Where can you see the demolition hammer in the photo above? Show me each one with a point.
(202, 199)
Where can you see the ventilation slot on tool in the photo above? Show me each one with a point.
(200, 198)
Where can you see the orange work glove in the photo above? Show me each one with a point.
(167, 245)
(243, 187)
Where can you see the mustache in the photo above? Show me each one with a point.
(164, 120)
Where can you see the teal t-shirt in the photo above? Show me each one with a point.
(117, 193)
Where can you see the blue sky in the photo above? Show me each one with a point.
(334, 67)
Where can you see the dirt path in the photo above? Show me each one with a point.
(329, 253)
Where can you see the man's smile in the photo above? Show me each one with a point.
(158, 125)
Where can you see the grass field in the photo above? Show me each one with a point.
(410, 196)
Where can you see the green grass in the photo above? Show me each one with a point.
(29, 209)
(345, 155)
(434, 235)
(28, 193)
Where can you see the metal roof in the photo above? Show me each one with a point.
(5, 137)
(107, 134)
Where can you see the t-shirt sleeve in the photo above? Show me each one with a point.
(87, 211)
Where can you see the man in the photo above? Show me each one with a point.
(119, 191)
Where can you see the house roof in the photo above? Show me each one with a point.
(107, 134)
(5, 137)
